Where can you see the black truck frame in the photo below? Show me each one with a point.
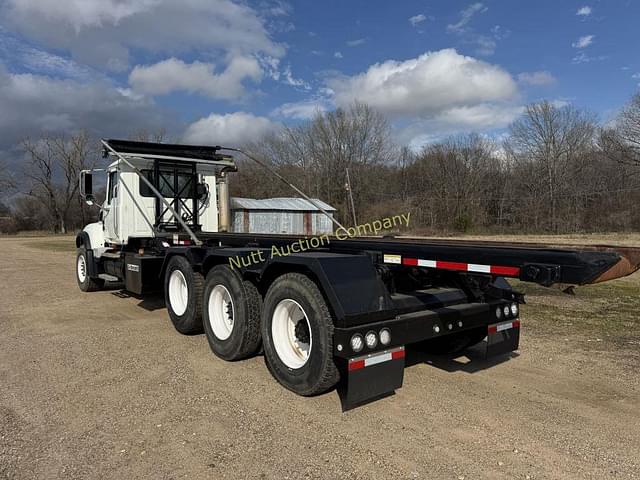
(377, 294)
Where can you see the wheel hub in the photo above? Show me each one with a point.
(302, 331)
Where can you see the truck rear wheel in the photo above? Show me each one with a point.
(183, 295)
(85, 282)
(231, 314)
(297, 334)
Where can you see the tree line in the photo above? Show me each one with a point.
(555, 170)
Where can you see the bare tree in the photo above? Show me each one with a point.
(450, 182)
(7, 182)
(316, 155)
(550, 143)
(53, 173)
(144, 135)
(622, 141)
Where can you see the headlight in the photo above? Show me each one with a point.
(385, 336)
(371, 339)
(505, 311)
(357, 343)
(514, 309)
(498, 313)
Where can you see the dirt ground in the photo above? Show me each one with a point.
(101, 386)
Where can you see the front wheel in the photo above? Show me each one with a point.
(85, 282)
(297, 334)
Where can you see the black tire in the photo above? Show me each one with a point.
(455, 343)
(319, 373)
(88, 284)
(188, 321)
(244, 339)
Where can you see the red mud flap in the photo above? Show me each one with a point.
(503, 337)
(371, 376)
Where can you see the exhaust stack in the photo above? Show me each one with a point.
(224, 203)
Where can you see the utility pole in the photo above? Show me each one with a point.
(350, 192)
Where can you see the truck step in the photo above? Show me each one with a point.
(108, 278)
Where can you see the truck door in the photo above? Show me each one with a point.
(110, 216)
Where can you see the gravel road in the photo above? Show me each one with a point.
(101, 386)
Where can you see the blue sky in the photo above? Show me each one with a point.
(218, 71)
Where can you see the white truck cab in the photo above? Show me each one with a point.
(132, 209)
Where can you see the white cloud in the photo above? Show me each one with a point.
(485, 45)
(465, 17)
(427, 85)
(32, 104)
(584, 11)
(538, 79)
(303, 110)
(416, 19)
(434, 95)
(102, 32)
(583, 42)
(584, 58)
(357, 42)
(173, 74)
(338, 55)
(477, 118)
(231, 129)
(289, 79)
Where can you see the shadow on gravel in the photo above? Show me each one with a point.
(150, 301)
(470, 361)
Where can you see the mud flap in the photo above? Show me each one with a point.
(370, 377)
(503, 338)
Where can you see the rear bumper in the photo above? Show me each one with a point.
(374, 373)
(418, 326)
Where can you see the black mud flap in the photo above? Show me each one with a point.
(503, 337)
(370, 377)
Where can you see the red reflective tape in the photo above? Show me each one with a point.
(356, 365)
(506, 271)
(493, 329)
(397, 354)
(452, 266)
(516, 324)
(410, 261)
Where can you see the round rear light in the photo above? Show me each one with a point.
(514, 309)
(357, 343)
(505, 310)
(385, 336)
(371, 339)
(498, 313)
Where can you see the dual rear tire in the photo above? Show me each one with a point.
(293, 324)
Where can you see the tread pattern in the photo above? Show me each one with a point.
(188, 324)
(330, 374)
(253, 340)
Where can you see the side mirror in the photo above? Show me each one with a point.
(86, 187)
(86, 184)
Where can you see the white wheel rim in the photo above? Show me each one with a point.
(178, 292)
(82, 268)
(221, 312)
(292, 350)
